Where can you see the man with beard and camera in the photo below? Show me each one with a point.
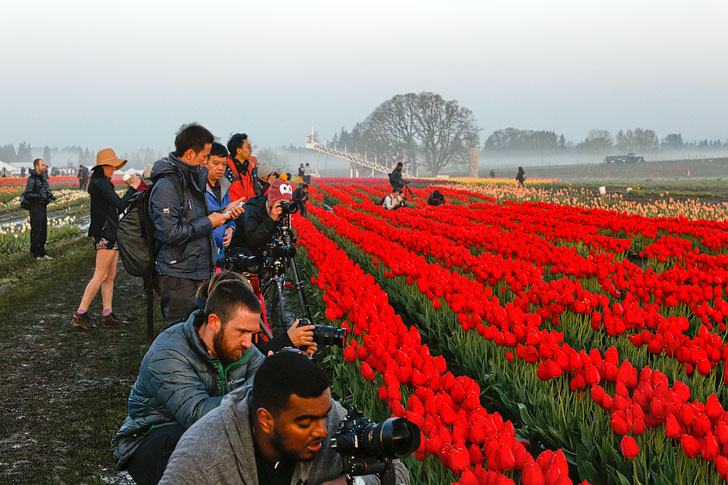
(184, 375)
(274, 432)
(262, 214)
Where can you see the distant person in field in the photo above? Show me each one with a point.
(105, 208)
(22, 171)
(38, 192)
(436, 198)
(300, 197)
(393, 201)
(395, 178)
(307, 174)
(492, 173)
(521, 177)
(300, 174)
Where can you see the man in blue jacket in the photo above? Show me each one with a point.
(183, 224)
(184, 375)
(218, 196)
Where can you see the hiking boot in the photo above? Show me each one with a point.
(112, 320)
(81, 321)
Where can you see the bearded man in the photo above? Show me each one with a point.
(184, 375)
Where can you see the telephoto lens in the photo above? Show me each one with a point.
(392, 438)
(324, 335)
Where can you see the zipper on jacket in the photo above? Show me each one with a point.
(226, 369)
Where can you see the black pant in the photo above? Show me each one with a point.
(177, 296)
(147, 464)
(38, 229)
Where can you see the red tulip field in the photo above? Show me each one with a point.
(531, 342)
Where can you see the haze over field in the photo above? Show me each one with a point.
(95, 73)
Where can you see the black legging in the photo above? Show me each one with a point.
(38, 229)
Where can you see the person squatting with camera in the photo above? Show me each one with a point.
(275, 432)
(184, 375)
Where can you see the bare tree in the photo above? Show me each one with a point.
(429, 131)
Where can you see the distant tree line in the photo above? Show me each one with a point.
(72, 154)
(638, 140)
(390, 139)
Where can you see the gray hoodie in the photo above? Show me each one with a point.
(219, 449)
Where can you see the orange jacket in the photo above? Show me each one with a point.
(240, 177)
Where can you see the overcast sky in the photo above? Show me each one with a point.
(127, 74)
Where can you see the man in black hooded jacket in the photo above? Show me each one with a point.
(38, 192)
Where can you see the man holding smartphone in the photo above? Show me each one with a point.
(218, 196)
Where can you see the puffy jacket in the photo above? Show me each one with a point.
(215, 205)
(105, 207)
(181, 226)
(37, 189)
(220, 449)
(240, 175)
(258, 228)
(178, 381)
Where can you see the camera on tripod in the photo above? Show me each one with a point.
(369, 448)
(238, 260)
(289, 207)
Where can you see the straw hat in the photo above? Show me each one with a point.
(107, 156)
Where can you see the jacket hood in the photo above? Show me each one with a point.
(172, 164)
(224, 185)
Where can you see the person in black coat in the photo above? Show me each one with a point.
(38, 192)
(395, 178)
(105, 208)
(436, 198)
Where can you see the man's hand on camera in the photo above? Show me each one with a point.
(302, 335)
(276, 211)
(311, 349)
(217, 219)
(227, 237)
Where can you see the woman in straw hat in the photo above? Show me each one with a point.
(105, 208)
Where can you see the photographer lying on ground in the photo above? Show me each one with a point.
(272, 433)
(184, 375)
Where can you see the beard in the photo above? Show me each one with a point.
(279, 442)
(227, 355)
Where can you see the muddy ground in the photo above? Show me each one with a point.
(63, 390)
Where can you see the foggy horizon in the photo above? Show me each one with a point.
(83, 73)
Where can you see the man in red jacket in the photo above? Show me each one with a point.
(240, 167)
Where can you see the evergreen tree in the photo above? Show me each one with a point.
(47, 155)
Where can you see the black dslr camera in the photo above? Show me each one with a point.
(324, 335)
(369, 448)
(289, 207)
(236, 259)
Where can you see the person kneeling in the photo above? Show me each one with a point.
(184, 375)
(272, 433)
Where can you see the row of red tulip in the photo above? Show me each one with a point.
(455, 427)
(532, 344)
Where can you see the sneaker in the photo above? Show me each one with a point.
(45, 256)
(112, 320)
(81, 321)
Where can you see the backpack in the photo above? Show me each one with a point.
(135, 234)
(25, 203)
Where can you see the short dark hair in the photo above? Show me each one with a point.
(228, 296)
(235, 142)
(192, 136)
(224, 275)
(304, 186)
(218, 150)
(36, 161)
(399, 165)
(283, 374)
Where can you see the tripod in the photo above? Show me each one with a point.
(279, 266)
(408, 190)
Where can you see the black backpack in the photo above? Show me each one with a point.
(135, 234)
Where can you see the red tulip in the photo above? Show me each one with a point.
(690, 445)
(629, 447)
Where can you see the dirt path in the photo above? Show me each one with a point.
(63, 391)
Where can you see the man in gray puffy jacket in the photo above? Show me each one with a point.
(184, 375)
(273, 434)
(182, 223)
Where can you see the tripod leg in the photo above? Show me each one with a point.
(279, 293)
(299, 289)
